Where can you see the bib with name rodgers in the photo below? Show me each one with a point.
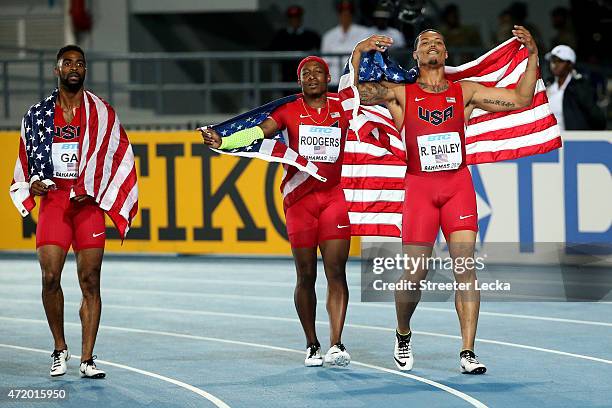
(65, 148)
(316, 132)
(434, 130)
(319, 143)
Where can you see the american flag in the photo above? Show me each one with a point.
(272, 150)
(106, 170)
(441, 158)
(374, 160)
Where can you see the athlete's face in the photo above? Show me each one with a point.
(430, 50)
(313, 78)
(71, 69)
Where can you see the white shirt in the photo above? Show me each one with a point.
(398, 37)
(555, 100)
(336, 41)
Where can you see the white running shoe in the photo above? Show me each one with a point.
(313, 356)
(402, 353)
(58, 366)
(470, 363)
(88, 369)
(337, 355)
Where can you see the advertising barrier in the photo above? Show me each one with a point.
(194, 201)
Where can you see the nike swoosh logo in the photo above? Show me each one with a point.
(418, 99)
(463, 217)
(399, 362)
(342, 226)
(304, 116)
(96, 235)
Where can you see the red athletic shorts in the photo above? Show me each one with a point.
(446, 200)
(318, 216)
(63, 222)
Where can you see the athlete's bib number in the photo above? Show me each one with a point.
(65, 158)
(320, 143)
(440, 151)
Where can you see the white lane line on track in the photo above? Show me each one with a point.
(322, 302)
(181, 384)
(471, 400)
(355, 326)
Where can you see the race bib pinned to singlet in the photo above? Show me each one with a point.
(440, 151)
(320, 143)
(65, 158)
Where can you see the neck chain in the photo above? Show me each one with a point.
(310, 116)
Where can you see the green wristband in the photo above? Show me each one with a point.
(241, 138)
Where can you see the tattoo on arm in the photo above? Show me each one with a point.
(372, 93)
(498, 102)
(433, 88)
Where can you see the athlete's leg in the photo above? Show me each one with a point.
(52, 258)
(459, 220)
(53, 238)
(406, 300)
(305, 297)
(420, 225)
(88, 245)
(89, 264)
(335, 254)
(467, 302)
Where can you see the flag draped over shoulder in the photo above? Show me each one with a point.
(272, 150)
(374, 161)
(106, 171)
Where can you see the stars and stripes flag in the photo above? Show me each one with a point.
(272, 150)
(374, 159)
(106, 170)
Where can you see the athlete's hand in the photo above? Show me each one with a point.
(211, 138)
(375, 43)
(81, 198)
(39, 188)
(525, 38)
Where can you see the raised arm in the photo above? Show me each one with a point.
(373, 93)
(499, 99)
(245, 137)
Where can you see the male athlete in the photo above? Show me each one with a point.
(316, 212)
(431, 116)
(78, 167)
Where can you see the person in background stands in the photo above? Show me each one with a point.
(571, 96)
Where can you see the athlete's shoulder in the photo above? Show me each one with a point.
(290, 108)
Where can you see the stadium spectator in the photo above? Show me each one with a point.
(562, 23)
(518, 13)
(571, 95)
(503, 29)
(459, 35)
(294, 37)
(342, 38)
(381, 17)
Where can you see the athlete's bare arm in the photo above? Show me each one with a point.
(213, 139)
(499, 99)
(378, 93)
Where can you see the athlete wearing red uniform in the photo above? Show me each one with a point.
(431, 115)
(438, 185)
(62, 221)
(66, 219)
(316, 212)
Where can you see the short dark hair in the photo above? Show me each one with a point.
(416, 39)
(69, 47)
